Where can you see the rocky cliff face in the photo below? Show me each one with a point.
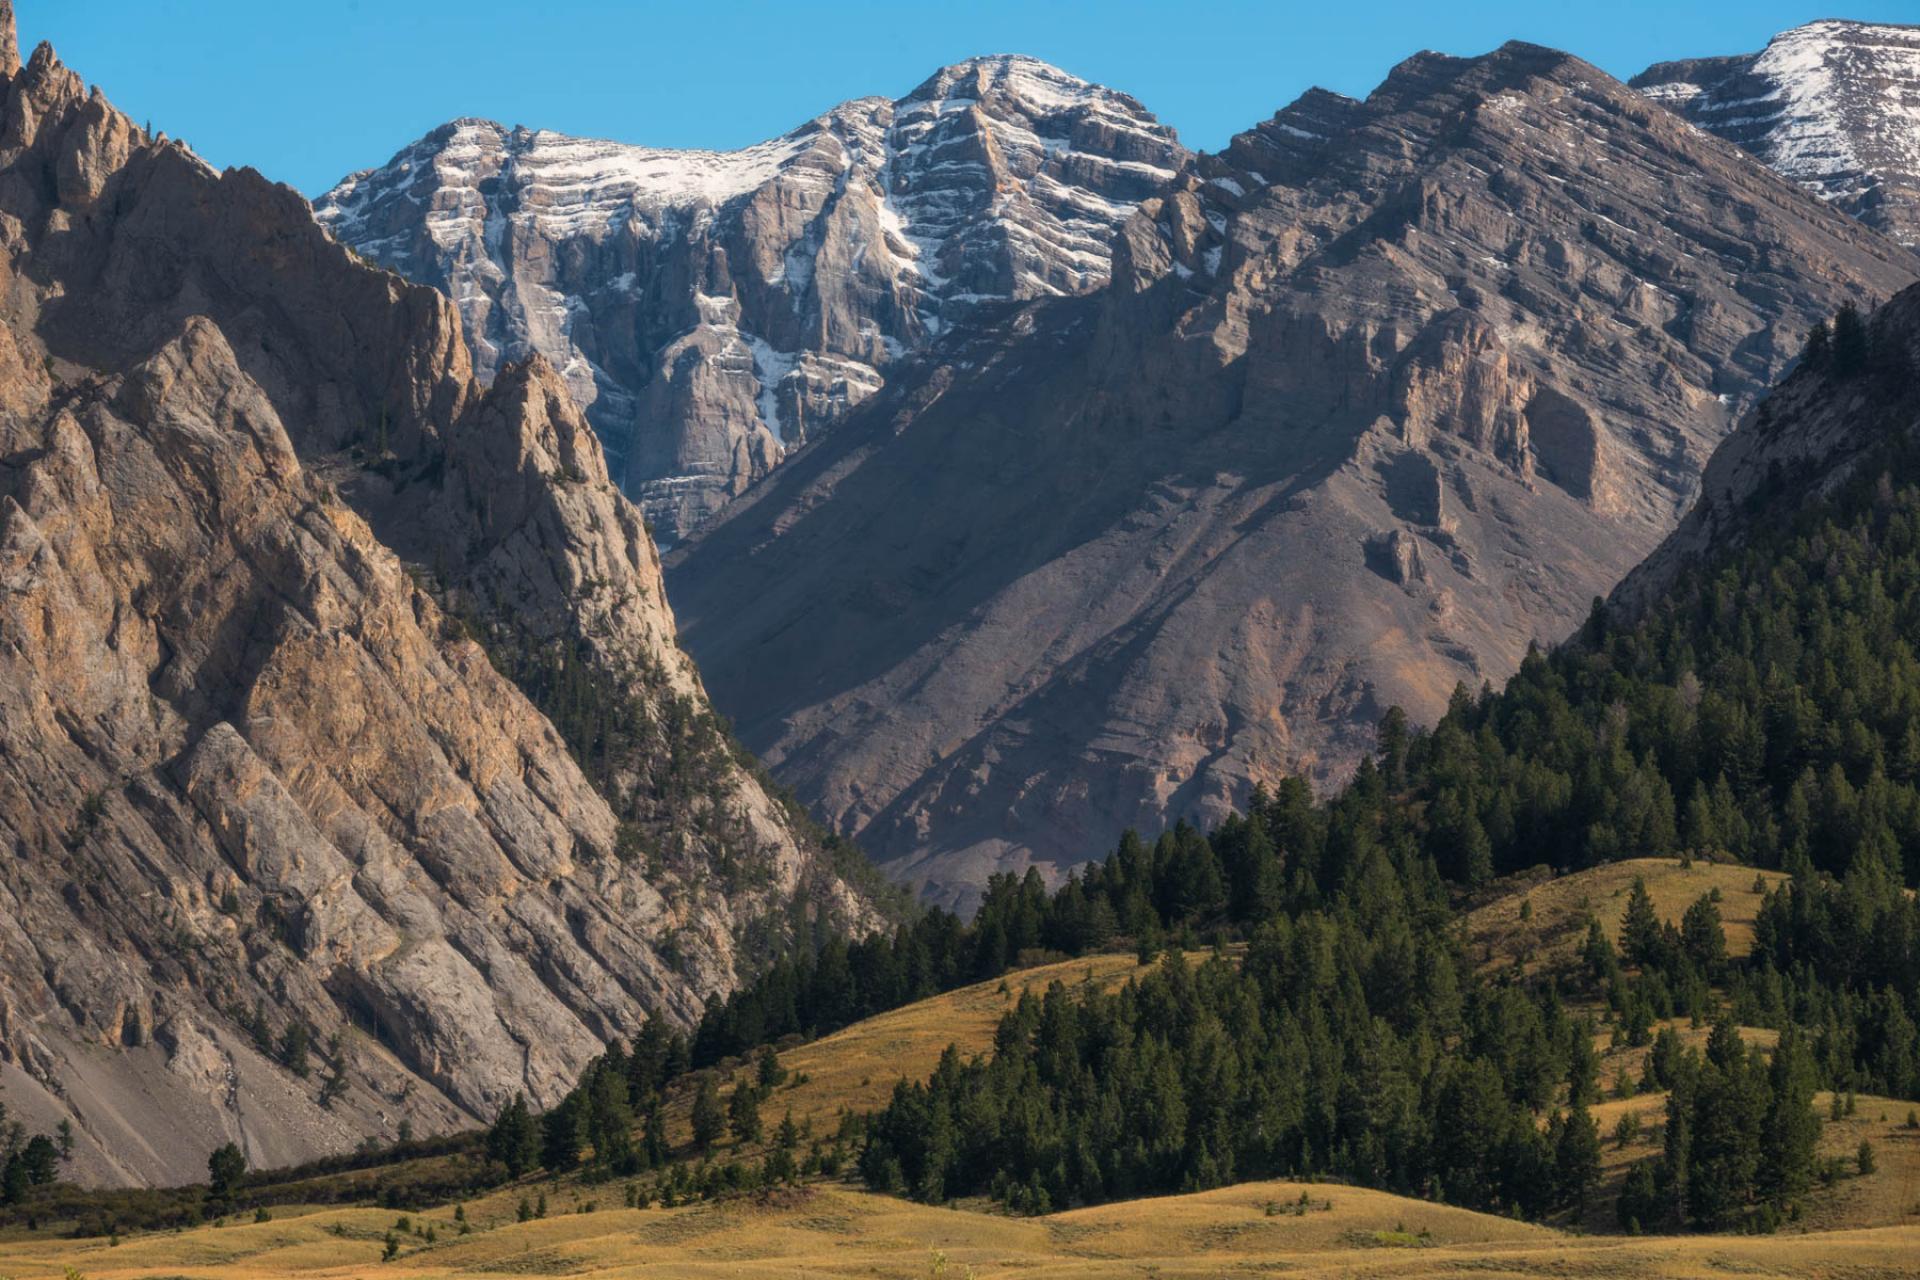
(1377, 398)
(1811, 435)
(264, 543)
(1833, 105)
(713, 310)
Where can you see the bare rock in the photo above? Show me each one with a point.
(1829, 105)
(713, 311)
(1380, 396)
(257, 768)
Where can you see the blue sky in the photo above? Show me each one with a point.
(309, 92)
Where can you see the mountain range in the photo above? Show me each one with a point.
(1379, 397)
(711, 311)
(924, 689)
(1833, 105)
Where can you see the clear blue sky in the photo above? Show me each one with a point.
(307, 92)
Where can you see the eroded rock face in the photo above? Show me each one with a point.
(256, 771)
(713, 310)
(1377, 398)
(1813, 434)
(1833, 105)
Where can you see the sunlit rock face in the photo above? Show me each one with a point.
(714, 310)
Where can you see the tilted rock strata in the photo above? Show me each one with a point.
(713, 310)
(1379, 397)
(1835, 106)
(252, 775)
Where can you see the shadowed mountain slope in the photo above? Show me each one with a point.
(1377, 398)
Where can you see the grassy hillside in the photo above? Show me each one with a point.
(1859, 1226)
(855, 1069)
(1303, 1230)
(1540, 920)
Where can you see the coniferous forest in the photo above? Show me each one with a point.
(1768, 710)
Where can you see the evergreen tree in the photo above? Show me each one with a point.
(709, 1119)
(608, 1120)
(226, 1172)
(294, 1045)
(743, 1113)
(1792, 1130)
(560, 1135)
(1819, 346)
(1576, 1158)
(1641, 933)
(514, 1139)
(1849, 342)
(1703, 940)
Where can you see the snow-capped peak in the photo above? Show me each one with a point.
(711, 309)
(1833, 104)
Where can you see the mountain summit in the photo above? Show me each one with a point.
(1833, 105)
(712, 310)
(1379, 397)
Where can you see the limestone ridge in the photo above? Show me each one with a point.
(257, 770)
(1376, 398)
(1833, 105)
(714, 310)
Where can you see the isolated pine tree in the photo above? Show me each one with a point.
(709, 1120)
(743, 1112)
(226, 1171)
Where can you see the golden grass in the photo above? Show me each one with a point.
(1892, 1194)
(833, 1232)
(1556, 927)
(856, 1069)
(1859, 1229)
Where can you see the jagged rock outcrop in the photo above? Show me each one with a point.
(1833, 105)
(713, 310)
(258, 769)
(1379, 397)
(1811, 435)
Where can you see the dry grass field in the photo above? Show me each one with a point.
(1542, 921)
(1858, 1228)
(830, 1232)
(856, 1069)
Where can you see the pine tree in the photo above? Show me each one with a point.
(1641, 1204)
(226, 1171)
(609, 1117)
(1729, 1117)
(294, 1044)
(1576, 1158)
(1819, 346)
(743, 1113)
(514, 1139)
(1583, 1065)
(1640, 930)
(709, 1119)
(1702, 938)
(1792, 1126)
(560, 1136)
(1849, 342)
